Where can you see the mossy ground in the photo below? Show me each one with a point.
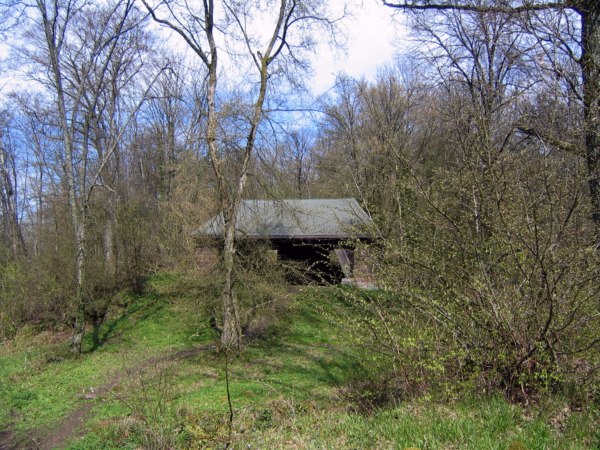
(286, 388)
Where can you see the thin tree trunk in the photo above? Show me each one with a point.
(8, 193)
(169, 156)
(231, 337)
(110, 259)
(76, 213)
(79, 327)
(590, 64)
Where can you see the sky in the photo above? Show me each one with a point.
(374, 37)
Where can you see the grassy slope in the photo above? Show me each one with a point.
(285, 389)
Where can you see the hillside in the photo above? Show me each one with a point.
(153, 379)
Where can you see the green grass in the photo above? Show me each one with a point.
(286, 388)
(44, 382)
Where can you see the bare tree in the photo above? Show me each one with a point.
(478, 59)
(110, 98)
(373, 127)
(9, 193)
(79, 57)
(587, 13)
(167, 113)
(270, 54)
(296, 158)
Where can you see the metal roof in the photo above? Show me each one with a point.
(295, 219)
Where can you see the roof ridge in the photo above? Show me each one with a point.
(298, 200)
(316, 218)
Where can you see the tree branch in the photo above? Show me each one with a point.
(526, 6)
(565, 146)
(177, 29)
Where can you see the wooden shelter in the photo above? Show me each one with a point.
(321, 235)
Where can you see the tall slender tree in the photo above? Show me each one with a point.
(272, 52)
(11, 224)
(79, 57)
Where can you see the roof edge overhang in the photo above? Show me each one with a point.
(324, 237)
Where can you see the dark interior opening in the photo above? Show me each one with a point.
(309, 262)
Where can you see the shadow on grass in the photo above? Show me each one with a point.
(142, 307)
(303, 358)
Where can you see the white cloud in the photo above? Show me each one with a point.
(372, 34)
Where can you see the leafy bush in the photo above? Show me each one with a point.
(502, 298)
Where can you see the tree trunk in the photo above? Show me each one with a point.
(110, 258)
(8, 196)
(77, 214)
(590, 65)
(170, 156)
(231, 337)
(79, 327)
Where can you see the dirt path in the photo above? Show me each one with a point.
(70, 427)
(73, 425)
(7, 441)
